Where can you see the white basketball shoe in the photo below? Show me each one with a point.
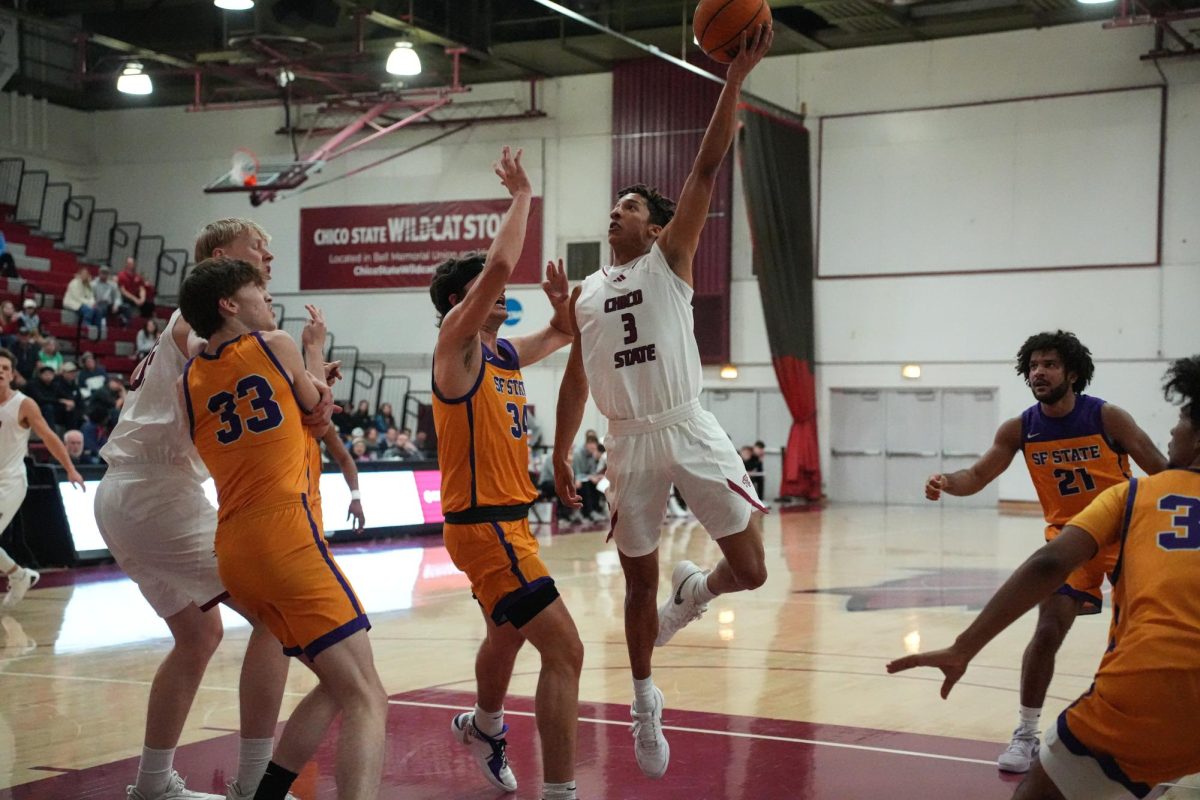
(681, 607)
(20, 582)
(176, 790)
(649, 745)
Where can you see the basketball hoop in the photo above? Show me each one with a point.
(243, 169)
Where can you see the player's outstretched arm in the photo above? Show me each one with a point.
(680, 238)
(462, 323)
(338, 452)
(572, 398)
(32, 416)
(989, 466)
(536, 346)
(1033, 581)
(311, 391)
(1128, 436)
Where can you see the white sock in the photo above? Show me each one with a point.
(559, 791)
(489, 723)
(643, 693)
(700, 591)
(7, 565)
(1030, 717)
(154, 772)
(253, 757)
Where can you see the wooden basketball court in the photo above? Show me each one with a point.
(779, 693)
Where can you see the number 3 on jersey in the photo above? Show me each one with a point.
(268, 415)
(520, 420)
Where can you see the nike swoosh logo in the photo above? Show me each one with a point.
(678, 595)
(1032, 435)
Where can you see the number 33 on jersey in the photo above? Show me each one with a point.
(246, 424)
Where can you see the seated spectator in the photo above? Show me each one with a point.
(546, 490)
(50, 355)
(341, 419)
(92, 375)
(28, 320)
(70, 396)
(136, 291)
(759, 451)
(359, 451)
(8, 265)
(108, 400)
(589, 470)
(43, 392)
(8, 323)
(75, 448)
(372, 437)
(404, 449)
(421, 442)
(384, 418)
(362, 417)
(107, 294)
(26, 350)
(388, 441)
(147, 337)
(80, 299)
(95, 432)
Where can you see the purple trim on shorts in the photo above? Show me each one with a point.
(513, 565)
(1091, 603)
(499, 614)
(747, 497)
(187, 400)
(216, 601)
(293, 652)
(320, 540)
(1116, 573)
(1107, 763)
(282, 372)
(342, 632)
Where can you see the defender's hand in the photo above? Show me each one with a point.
(754, 46)
(950, 661)
(356, 511)
(315, 330)
(512, 174)
(556, 286)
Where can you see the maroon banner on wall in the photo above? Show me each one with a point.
(399, 246)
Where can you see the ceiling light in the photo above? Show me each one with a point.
(729, 372)
(234, 5)
(404, 60)
(133, 81)
(910, 371)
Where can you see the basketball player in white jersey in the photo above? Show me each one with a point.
(18, 416)
(635, 347)
(159, 526)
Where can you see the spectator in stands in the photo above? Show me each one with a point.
(588, 472)
(95, 431)
(359, 450)
(146, 338)
(26, 350)
(28, 320)
(384, 418)
(373, 440)
(107, 294)
(108, 401)
(74, 441)
(421, 441)
(546, 489)
(43, 392)
(50, 355)
(8, 265)
(405, 450)
(92, 375)
(136, 291)
(80, 299)
(341, 420)
(70, 397)
(8, 323)
(388, 442)
(362, 417)
(754, 467)
(760, 453)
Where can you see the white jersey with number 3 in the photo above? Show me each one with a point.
(153, 427)
(639, 344)
(14, 440)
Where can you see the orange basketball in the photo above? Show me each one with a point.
(720, 24)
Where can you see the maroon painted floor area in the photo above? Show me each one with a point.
(712, 756)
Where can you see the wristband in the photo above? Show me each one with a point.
(355, 494)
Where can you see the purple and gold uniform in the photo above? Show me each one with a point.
(486, 490)
(246, 425)
(1138, 721)
(1071, 462)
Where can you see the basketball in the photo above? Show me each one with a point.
(720, 24)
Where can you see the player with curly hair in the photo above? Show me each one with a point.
(1075, 446)
(1134, 730)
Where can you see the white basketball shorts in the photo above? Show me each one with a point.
(160, 527)
(12, 494)
(684, 446)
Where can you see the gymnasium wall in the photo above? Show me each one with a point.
(963, 329)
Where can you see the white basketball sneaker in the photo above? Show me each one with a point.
(680, 608)
(649, 745)
(1021, 751)
(175, 791)
(489, 751)
(20, 582)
